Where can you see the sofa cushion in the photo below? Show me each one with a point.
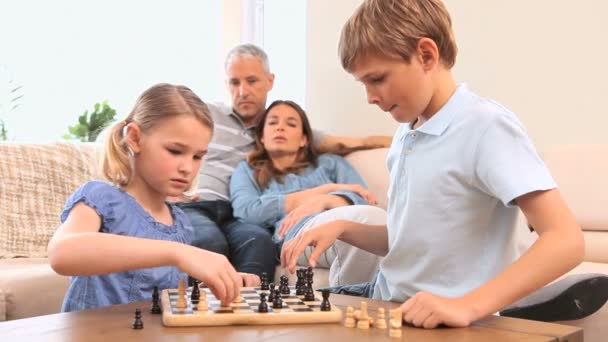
(36, 180)
(580, 172)
(371, 165)
(29, 287)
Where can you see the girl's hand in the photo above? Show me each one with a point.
(428, 311)
(213, 269)
(321, 237)
(311, 206)
(367, 195)
(250, 280)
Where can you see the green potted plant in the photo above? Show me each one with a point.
(89, 126)
(10, 97)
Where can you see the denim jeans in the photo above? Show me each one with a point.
(365, 290)
(249, 247)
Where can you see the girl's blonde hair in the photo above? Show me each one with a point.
(158, 102)
(259, 160)
(393, 28)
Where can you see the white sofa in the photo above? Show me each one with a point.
(36, 179)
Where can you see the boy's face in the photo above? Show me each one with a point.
(402, 88)
(248, 84)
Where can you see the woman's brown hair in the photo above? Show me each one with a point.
(259, 160)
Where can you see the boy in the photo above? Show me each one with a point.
(459, 166)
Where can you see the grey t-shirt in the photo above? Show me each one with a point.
(230, 144)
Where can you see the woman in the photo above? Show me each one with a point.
(284, 184)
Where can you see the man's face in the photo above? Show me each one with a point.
(249, 85)
(402, 88)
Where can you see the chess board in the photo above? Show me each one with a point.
(295, 310)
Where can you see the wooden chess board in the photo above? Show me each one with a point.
(295, 310)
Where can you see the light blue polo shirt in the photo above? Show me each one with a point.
(451, 216)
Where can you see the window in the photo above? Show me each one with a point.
(69, 54)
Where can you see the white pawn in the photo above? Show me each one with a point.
(349, 322)
(363, 322)
(380, 322)
(396, 319)
(181, 295)
(202, 304)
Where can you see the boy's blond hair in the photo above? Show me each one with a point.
(393, 28)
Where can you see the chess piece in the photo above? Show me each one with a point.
(325, 305)
(278, 301)
(300, 286)
(363, 322)
(350, 322)
(263, 307)
(195, 296)
(155, 308)
(202, 304)
(284, 285)
(137, 322)
(395, 323)
(264, 280)
(181, 295)
(309, 296)
(380, 321)
(271, 294)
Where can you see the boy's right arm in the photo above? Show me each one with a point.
(78, 248)
(373, 239)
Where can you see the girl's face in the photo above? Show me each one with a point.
(283, 132)
(170, 154)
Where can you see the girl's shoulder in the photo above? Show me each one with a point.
(102, 196)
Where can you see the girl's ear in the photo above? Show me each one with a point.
(133, 137)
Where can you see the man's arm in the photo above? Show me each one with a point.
(345, 145)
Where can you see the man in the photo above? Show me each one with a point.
(249, 247)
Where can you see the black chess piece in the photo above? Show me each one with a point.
(195, 296)
(325, 305)
(277, 303)
(271, 293)
(263, 307)
(284, 285)
(300, 282)
(264, 280)
(309, 295)
(137, 322)
(155, 308)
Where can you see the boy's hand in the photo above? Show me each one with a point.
(213, 269)
(321, 237)
(250, 280)
(428, 311)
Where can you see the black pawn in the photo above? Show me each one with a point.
(264, 279)
(277, 303)
(284, 285)
(309, 296)
(137, 322)
(325, 306)
(263, 307)
(195, 296)
(155, 308)
(271, 294)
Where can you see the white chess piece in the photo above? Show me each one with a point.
(202, 304)
(380, 321)
(363, 322)
(349, 322)
(181, 295)
(395, 321)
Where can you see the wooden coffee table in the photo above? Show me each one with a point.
(113, 324)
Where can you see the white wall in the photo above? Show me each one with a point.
(69, 54)
(546, 60)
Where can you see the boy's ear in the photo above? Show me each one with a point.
(133, 137)
(428, 53)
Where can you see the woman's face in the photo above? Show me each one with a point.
(283, 132)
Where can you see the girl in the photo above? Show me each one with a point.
(120, 240)
(285, 185)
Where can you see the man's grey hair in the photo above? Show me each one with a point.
(248, 50)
